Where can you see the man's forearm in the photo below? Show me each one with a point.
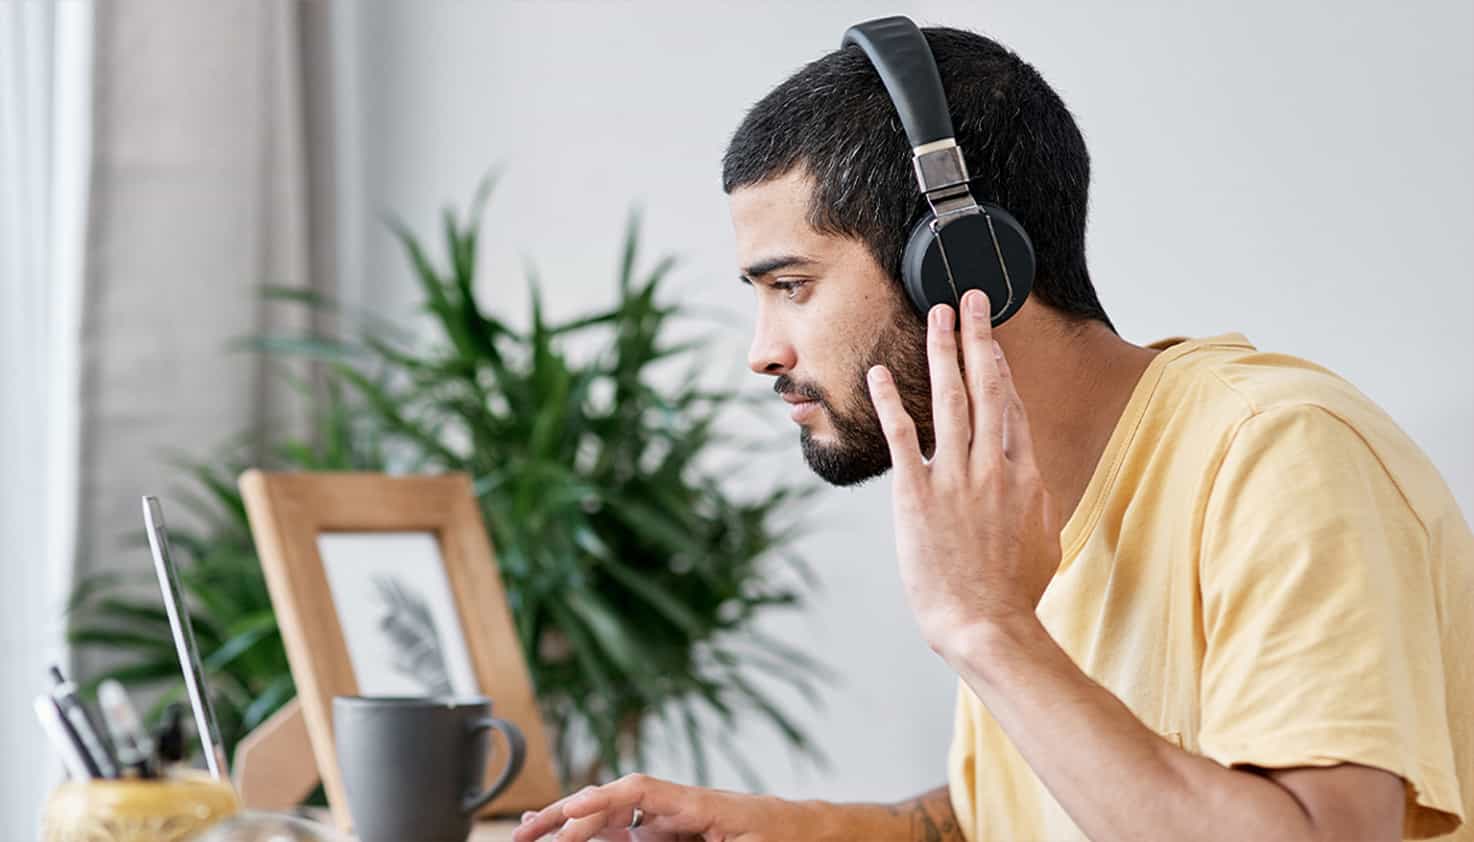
(1115, 777)
(926, 818)
(929, 818)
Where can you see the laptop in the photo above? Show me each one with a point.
(184, 642)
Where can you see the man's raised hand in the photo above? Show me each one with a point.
(976, 537)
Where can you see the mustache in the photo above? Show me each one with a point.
(785, 385)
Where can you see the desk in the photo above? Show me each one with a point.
(497, 831)
(500, 831)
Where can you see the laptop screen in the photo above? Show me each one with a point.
(184, 641)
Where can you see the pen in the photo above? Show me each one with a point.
(93, 742)
(64, 739)
(169, 737)
(135, 749)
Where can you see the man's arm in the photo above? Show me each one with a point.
(925, 818)
(930, 818)
(674, 812)
(1116, 778)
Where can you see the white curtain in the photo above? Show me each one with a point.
(159, 162)
(205, 187)
(44, 155)
(211, 174)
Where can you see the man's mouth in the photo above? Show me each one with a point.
(803, 403)
(800, 408)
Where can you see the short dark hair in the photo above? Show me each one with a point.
(1022, 146)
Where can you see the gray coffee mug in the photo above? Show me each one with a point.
(412, 766)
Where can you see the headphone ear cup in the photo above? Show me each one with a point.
(919, 246)
(970, 251)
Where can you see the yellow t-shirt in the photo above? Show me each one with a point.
(1266, 571)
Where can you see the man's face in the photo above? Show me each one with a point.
(827, 312)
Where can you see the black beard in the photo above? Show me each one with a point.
(859, 451)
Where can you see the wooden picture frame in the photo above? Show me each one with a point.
(289, 512)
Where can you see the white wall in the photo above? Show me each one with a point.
(1298, 171)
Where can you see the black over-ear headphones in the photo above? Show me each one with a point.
(961, 243)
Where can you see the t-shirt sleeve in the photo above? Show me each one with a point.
(1321, 632)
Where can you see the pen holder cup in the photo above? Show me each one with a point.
(169, 809)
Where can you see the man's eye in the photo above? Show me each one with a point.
(790, 289)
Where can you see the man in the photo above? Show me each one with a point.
(1192, 590)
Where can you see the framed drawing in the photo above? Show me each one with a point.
(387, 586)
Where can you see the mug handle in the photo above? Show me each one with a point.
(516, 745)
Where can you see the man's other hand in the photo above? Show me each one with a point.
(670, 813)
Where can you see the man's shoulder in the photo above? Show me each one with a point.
(1238, 380)
(1290, 413)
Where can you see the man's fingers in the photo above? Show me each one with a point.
(583, 829)
(535, 825)
(982, 371)
(603, 827)
(1018, 439)
(667, 807)
(899, 429)
(650, 794)
(949, 405)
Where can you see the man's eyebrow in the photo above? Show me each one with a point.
(770, 265)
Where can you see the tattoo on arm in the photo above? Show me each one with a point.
(931, 818)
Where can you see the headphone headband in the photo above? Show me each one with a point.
(900, 54)
(962, 243)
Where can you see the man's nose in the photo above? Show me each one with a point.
(770, 353)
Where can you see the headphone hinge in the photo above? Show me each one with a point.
(942, 175)
(939, 165)
(960, 203)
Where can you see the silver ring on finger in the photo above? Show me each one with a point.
(638, 819)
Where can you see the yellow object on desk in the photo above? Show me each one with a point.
(134, 810)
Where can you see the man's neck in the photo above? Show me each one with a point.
(1075, 381)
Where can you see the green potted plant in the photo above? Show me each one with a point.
(633, 570)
